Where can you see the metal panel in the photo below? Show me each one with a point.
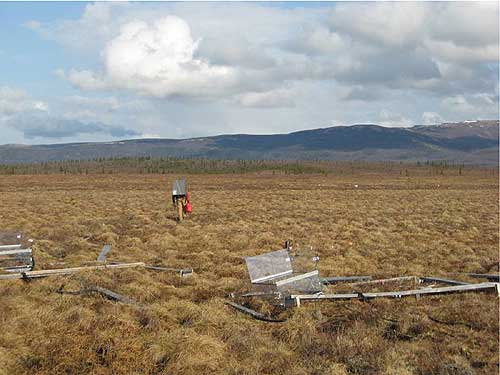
(102, 255)
(179, 187)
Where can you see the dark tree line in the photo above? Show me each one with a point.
(166, 165)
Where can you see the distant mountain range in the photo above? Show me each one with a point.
(470, 142)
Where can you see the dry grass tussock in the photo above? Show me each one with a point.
(390, 225)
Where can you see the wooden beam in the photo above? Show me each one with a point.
(67, 271)
(444, 281)
(396, 294)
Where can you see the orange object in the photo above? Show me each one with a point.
(188, 208)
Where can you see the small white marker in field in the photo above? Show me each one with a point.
(356, 186)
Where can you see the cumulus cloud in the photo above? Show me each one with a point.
(156, 59)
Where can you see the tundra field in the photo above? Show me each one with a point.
(410, 221)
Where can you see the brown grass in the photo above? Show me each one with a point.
(390, 225)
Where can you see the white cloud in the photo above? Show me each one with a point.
(269, 99)
(431, 118)
(469, 24)
(478, 105)
(14, 100)
(392, 24)
(448, 51)
(157, 60)
(85, 79)
(457, 103)
(393, 119)
(317, 40)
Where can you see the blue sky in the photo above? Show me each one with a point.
(77, 71)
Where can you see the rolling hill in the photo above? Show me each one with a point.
(465, 142)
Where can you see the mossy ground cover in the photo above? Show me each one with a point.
(391, 224)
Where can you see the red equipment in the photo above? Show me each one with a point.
(188, 208)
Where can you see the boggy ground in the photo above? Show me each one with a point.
(389, 225)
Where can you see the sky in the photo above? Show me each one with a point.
(82, 71)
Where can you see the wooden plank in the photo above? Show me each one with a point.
(397, 294)
(444, 281)
(343, 279)
(67, 271)
(102, 255)
(253, 313)
(485, 276)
